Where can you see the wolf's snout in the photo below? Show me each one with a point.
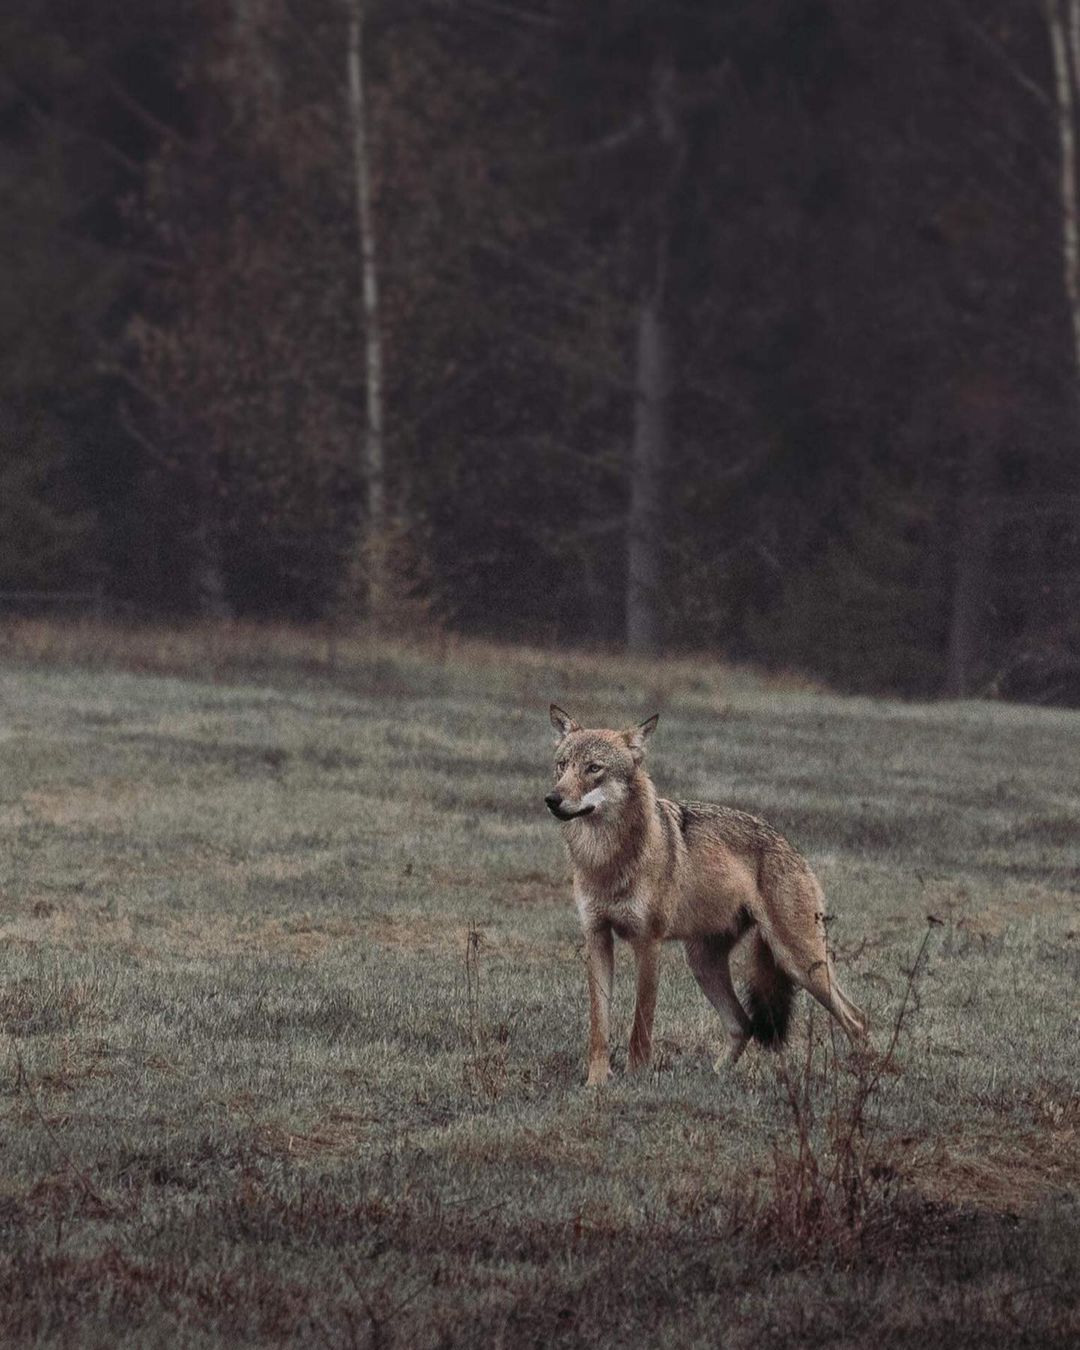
(556, 804)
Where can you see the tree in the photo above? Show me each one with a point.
(650, 454)
(374, 538)
(246, 349)
(1063, 27)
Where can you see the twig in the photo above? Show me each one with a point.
(23, 1081)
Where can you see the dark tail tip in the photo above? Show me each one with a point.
(770, 1011)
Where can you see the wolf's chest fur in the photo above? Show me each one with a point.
(630, 914)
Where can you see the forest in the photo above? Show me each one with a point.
(748, 328)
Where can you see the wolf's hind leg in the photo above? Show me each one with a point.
(810, 966)
(708, 959)
(792, 925)
(821, 983)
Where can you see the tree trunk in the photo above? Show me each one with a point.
(258, 89)
(652, 389)
(972, 577)
(1063, 24)
(372, 542)
(208, 577)
(648, 459)
(207, 563)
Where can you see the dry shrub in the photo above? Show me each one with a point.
(485, 1064)
(828, 1184)
(833, 1185)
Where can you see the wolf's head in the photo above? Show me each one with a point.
(593, 769)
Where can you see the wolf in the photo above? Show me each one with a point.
(648, 871)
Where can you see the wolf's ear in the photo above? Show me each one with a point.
(637, 736)
(563, 723)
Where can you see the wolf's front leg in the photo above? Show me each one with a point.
(600, 958)
(647, 954)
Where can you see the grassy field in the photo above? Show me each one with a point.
(293, 1015)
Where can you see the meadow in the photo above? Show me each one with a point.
(293, 1015)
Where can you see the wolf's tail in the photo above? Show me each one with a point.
(768, 996)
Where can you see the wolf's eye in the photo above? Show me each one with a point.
(594, 768)
(560, 767)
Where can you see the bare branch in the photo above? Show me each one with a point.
(1003, 58)
(151, 120)
(604, 145)
(76, 133)
(527, 18)
(121, 372)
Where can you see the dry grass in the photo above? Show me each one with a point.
(293, 1011)
(215, 650)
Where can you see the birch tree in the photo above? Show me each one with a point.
(371, 543)
(1063, 26)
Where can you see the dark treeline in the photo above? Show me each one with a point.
(751, 327)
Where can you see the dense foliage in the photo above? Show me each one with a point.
(869, 460)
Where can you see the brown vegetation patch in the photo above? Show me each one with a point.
(993, 921)
(65, 1194)
(537, 888)
(270, 867)
(337, 1133)
(513, 889)
(242, 649)
(75, 1062)
(973, 914)
(535, 1150)
(80, 924)
(240, 1303)
(105, 802)
(417, 932)
(1055, 1105)
(444, 876)
(29, 1008)
(301, 936)
(447, 935)
(337, 1130)
(996, 1171)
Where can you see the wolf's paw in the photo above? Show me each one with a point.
(598, 1077)
(724, 1065)
(731, 1055)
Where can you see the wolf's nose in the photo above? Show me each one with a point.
(554, 799)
